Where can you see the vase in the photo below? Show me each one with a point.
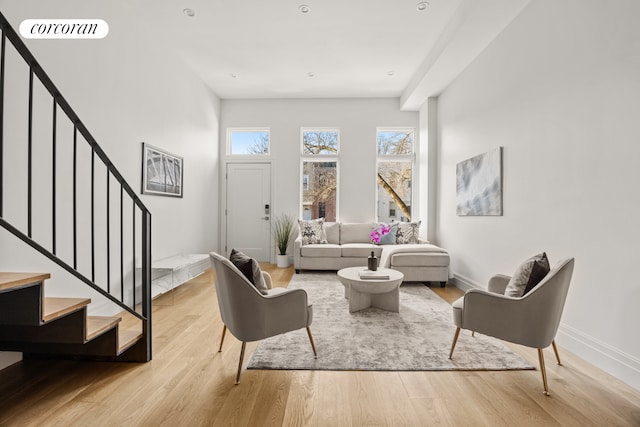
(282, 261)
(372, 262)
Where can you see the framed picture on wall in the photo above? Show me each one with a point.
(479, 185)
(161, 172)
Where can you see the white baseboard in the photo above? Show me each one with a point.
(465, 283)
(611, 360)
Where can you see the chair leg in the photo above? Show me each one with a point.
(244, 344)
(453, 345)
(543, 371)
(473, 333)
(555, 350)
(224, 331)
(313, 346)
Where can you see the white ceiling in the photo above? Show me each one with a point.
(267, 49)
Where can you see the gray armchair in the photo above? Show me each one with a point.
(531, 320)
(252, 316)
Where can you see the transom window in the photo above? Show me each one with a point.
(394, 173)
(248, 141)
(319, 173)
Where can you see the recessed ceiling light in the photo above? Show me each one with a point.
(303, 8)
(233, 75)
(390, 73)
(311, 74)
(423, 5)
(189, 12)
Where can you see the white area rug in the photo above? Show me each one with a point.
(418, 338)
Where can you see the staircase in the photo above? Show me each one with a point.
(107, 248)
(37, 325)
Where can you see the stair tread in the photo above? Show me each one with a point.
(127, 338)
(96, 325)
(54, 307)
(10, 280)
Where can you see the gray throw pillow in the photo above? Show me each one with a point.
(391, 237)
(312, 231)
(528, 275)
(250, 268)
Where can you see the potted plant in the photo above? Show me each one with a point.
(282, 228)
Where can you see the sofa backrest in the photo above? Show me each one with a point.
(356, 232)
(332, 230)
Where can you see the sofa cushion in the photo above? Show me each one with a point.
(408, 232)
(312, 231)
(325, 250)
(528, 275)
(332, 231)
(360, 250)
(424, 259)
(356, 232)
(250, 268)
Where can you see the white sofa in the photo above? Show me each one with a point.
(349, 246)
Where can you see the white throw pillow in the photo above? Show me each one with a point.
(408, 233)
(312, 231)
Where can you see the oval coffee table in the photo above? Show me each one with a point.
(364, 293)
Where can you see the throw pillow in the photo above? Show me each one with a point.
(408, 232)
(391, 236)
(312, 231)
(528, 275)
(250, 268)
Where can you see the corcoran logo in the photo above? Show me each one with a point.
(64, 28)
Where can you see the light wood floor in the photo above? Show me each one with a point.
(189, 383)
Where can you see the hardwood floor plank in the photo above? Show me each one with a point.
(188, 383)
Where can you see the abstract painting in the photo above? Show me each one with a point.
(161, 172)
(479, 185)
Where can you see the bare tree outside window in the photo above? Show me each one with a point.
(249, 141)
(394, 173)
(320, 173)
(318, 142)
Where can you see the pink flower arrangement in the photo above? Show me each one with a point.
(378, 232)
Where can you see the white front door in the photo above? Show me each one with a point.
(249, 209)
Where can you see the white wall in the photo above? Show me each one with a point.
(126, 90)
(559, 90)
(356, 119)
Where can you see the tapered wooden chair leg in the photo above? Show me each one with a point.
(543, 371)
(555, 350)
(244, 344)
(224, 331)
(453, 344)
(313, 346)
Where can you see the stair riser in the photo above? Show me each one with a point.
(68, 329)
(106, 345)
(22, 306)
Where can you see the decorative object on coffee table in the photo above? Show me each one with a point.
(282, 227)
(375, 235)
(365, 288)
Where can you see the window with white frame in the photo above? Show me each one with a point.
(320, 147)
(394, 173)
(248, 141)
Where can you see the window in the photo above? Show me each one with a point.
(394, 173)
(319, 173)
(248, 141)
